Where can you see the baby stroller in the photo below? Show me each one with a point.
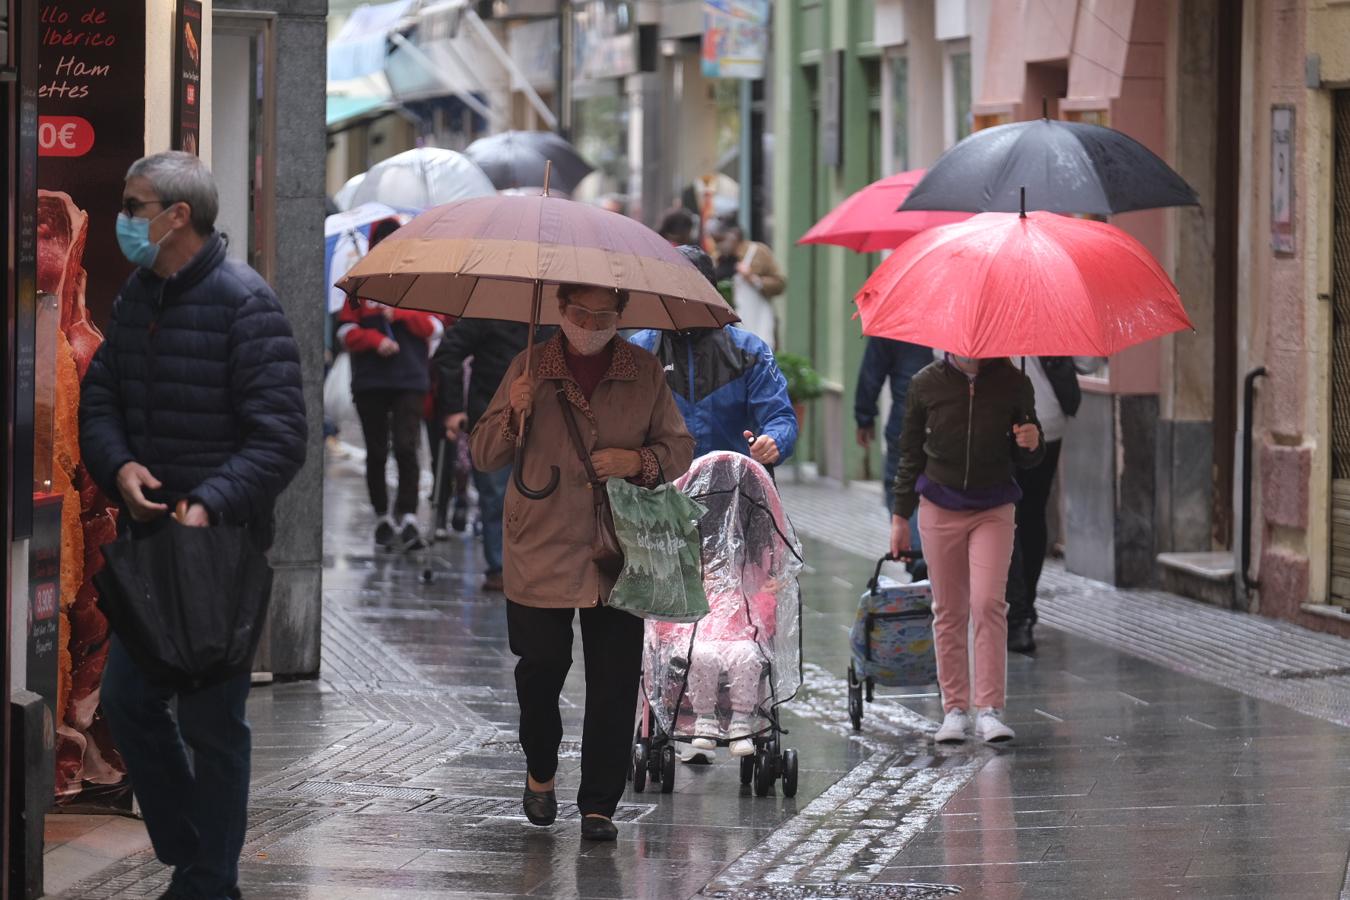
(719, 682)
(891, 638)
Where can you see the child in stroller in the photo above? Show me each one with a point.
(720, 681)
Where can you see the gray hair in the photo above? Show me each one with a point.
(179, 177)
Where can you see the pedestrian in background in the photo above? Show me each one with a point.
(897, 362)
(727, 385)
(755, 275)
(449, 480)
(1058, 396)
(195, 395)
(678, 226)
(390, 350)
(969, 424)
(491, 346)
(630, 428)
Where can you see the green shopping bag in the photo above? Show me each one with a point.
(662, 574)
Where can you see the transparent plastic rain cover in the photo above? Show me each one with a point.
(724, 676)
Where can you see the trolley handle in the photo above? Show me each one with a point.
(903, 556)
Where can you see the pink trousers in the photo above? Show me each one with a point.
(968, 555)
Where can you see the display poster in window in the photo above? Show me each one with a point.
(91, 115)
(604, 40)
(1282, 179)
(187, 76)
(735, 38)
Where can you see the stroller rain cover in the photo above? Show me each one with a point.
(727, 674)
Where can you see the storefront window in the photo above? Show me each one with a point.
(600, 132)
(960, 75)
(899, 108)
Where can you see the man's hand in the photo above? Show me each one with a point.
(389, 312)
(133, 479)
(388, 347)
(455, 425)
(763, 449)
(616, 464)
(1027, 435)
(866, 436)
(901, 539)
(522, 394)
(194, 516)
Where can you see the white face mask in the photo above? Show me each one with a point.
(586, 342)
(968, 364)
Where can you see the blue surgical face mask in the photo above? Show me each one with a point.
(133, 236)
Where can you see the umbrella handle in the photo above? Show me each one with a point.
(553, 478)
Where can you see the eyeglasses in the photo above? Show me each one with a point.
(586, 318)
(131, 205)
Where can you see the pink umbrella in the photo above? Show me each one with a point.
(867, 221)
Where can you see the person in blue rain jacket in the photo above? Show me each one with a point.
(727, 385)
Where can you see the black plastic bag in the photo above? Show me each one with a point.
(187, 603)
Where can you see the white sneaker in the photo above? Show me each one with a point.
(990, 727)
(953, 730)
(743, 747)
(699, 755)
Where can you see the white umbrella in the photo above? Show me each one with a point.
(423, 178)
(343, 198)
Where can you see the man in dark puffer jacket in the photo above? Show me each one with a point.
(196, 396)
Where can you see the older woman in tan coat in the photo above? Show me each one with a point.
(628, 420)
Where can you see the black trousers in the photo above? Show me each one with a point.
(1033, 535)
(397, 415)
(612, 643)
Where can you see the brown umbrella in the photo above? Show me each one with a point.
(501, 257)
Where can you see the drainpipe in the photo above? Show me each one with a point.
(1248, 433)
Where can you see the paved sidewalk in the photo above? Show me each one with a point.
(396, 774)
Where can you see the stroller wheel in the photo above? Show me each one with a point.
(747, 769)
(668, 769)
(764, 773)
(640, 762)
(855, 699)
(789, 773)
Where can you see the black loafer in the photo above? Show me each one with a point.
(541, 807)
(1020, 639)
(594, 828)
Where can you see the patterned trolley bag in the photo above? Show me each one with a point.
(891, 638)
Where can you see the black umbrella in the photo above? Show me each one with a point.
(187, 603)
(516, 159)
(1066, 167)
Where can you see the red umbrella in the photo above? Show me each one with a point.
(1039, 284)
(867, 221)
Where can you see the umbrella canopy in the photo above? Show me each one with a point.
(343, 198)
(1001, 284)
(867, 221)
(422, 178)
(516, 159)
(346, 237)
(1067, 167)
(481, 258)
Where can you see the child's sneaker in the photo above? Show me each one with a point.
(953, 729)
(990, 727)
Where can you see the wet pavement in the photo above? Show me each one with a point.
(395, 775)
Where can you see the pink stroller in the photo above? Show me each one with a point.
(719, 682)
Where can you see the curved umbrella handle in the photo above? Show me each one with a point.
(519, 479)
(524, 489)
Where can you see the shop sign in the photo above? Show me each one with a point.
(187, 77)
(604, 40)
(1282, 179)
(735, 38)
(91, 106)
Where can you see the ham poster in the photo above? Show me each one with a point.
(91, 106)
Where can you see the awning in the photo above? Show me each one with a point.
(343, 109)
(360, 48)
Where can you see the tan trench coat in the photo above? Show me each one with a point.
(548, 543)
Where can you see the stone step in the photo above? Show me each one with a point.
(1207, 577)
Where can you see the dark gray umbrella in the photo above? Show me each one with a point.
(516, 159)
(1066, 167)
